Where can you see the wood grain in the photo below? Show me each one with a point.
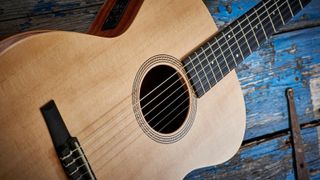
(90, 79)
(11, 10)
(257, 88)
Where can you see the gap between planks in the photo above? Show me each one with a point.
(276, 134)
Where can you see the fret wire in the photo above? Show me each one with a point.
(290, 8)
(235, 49)
(256, 29)
(183, 110)
(254, 34)
(268, 26)
(300, 4)
(219, 46)
(249, 48)
(238, 45)
(276, 2)
(244, 36)
(263, 19)
(216, 59)
(260, 21)
(197, 74)
(202, 76)
(205, 74)
(270, 19)
(189, 71)
(243, 31)
(276, 20)
(251, 36)
(248, 20)
(295, 6)
(229, 48)
(209, 64)
(285, 14)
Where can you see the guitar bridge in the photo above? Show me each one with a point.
(73, 160)
(70, 153)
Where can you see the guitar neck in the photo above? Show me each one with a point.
(215, 58)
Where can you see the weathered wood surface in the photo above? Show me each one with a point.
(10, 10)
(289, 59)
(271, 159)
(71, 15)
(225, 11)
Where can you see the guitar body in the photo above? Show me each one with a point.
(92, 79)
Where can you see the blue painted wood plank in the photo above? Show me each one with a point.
(284, 61)
(225, 11)
(269, 160)
(287, 60)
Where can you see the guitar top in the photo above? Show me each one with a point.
(156, 101)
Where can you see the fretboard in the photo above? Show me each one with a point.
(214, 59)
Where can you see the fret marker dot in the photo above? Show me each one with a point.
(273, 13)
(229, 36)
(211, 62)
(237, 55)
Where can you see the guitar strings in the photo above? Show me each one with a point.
(120, 141)
(203, 51)
(250, 38)
(242, 43)
(120, 151)
(192, 76)
(201, 54)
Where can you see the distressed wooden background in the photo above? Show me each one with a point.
(290, 58)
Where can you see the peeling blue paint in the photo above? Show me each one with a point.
(308, 13)
(267, 106)
(222, 13)
(286, 60)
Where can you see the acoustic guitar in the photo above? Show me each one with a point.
(158, 99)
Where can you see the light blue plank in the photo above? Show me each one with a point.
(225, 11)
(286, 61)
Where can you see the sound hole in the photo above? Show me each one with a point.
(164, 99)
